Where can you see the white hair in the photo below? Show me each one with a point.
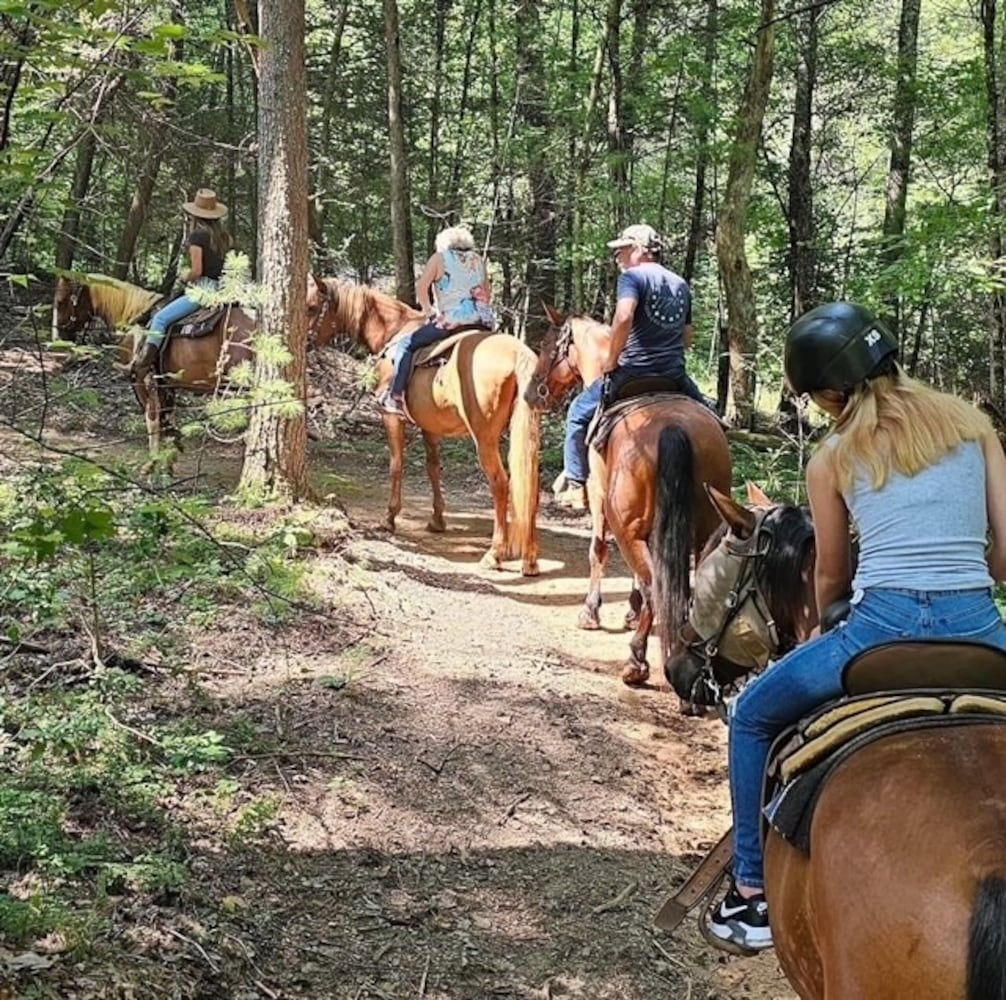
(455, 238)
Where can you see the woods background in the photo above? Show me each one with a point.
(792, 153)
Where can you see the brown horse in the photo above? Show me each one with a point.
(197, 365)
(903, 891)
(648, 488)
(477, 391)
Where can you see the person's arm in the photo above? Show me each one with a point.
(433, 271)
(689, 329)
(621, 325)
(195, 271)
(995, 500)
(833, 565)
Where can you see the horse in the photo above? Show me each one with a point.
(648, 488)
(478, 391)
(903, 891)
(196, 364)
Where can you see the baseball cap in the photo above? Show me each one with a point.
(639, 235)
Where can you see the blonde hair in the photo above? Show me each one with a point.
(894, 424)
(455, 238)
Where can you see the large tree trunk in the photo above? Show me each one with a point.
(138, 208)
(742, 320)
(995, 44)
(70, 229)
(401, 210)
(275, 463)
(901, 156)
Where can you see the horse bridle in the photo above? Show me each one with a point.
(563, 342)
(326, 307)
(72, 324)
(747, 589)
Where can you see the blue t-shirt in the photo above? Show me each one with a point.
(664, 308)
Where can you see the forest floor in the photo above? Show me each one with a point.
(465, 802)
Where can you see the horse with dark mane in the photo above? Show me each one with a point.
(477, 390)
(900, 889)
(198, 364)
(648, 488)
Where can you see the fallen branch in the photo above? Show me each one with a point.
(613, 904)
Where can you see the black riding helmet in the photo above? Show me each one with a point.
(836, 346)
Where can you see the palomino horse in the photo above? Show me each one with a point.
(196, 364)
(648, 488)
(477, 391)
(903, 890)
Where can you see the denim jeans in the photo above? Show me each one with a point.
(812, 674)
(175, 310)
(428, 333)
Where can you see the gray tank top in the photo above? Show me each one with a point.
(927, 531)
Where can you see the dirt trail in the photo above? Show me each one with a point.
(469, 803)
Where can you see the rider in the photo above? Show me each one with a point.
(650, 332)
(208, 243)
(464, 295)
(922, 476)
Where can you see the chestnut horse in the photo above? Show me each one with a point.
(903, 891)
(478, 391)
(195, 364)
(648, 488)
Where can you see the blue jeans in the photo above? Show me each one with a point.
(583, 405)
(177, 309)
(812, 674)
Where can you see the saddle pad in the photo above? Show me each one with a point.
(605, 419)
(805, 756)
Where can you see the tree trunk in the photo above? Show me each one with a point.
(696, 225)
(533, 111)
(618, 175)
(901, 156)
(70, 229)
(440, 11)
(802, 268)
(742, 320)
(275, 463)
(996, 102)
(138, 210)
(401, 209)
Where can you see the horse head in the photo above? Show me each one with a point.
(753, 598)
(321, 311)
(556, 372)
(72, 309)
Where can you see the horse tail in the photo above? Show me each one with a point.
(523, 457)
(987, 942)
(671, 536)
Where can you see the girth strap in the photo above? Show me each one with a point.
(701, 884)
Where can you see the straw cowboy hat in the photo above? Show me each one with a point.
(205, 205)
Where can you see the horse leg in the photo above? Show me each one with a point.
(152, 415)
(590, 614)
(434, 471)
(394, 427)
(492, 466)
(637, 555)
(631, 621)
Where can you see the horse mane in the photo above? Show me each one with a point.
(118, 302)
(782, 571)
(369, 315)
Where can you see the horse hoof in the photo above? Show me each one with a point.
(588, 622)
(436, 525)
(631, 621)
(530, 569)
(389, 523)
(635, 674)
(490, 561)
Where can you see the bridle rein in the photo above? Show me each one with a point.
(560, 353)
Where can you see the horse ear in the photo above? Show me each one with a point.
(756, 495)
(555, 317)
(319, 285)
(740, 520)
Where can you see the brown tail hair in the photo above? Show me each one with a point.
(987, 942)
(523, 458)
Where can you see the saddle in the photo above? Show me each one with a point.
(895, 688)
(201, 323)
(435, 355)
(631, 397)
